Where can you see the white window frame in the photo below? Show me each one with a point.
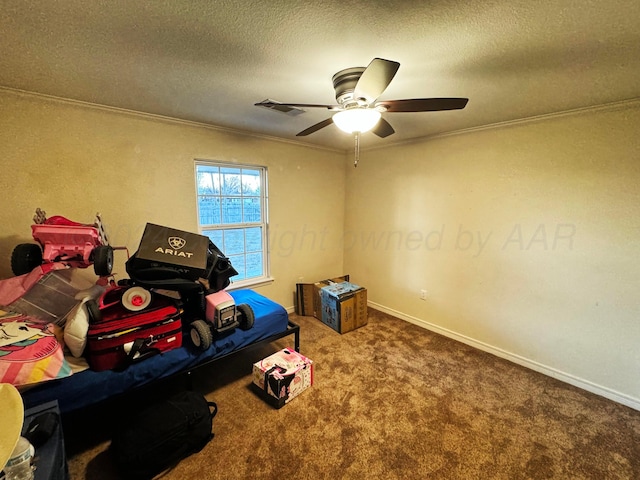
(265, 278)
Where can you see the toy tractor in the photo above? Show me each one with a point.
(62, 240)
(221, 315)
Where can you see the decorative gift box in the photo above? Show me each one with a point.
(283, 376)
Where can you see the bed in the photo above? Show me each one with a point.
(89, 387)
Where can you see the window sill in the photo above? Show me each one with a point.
(254, 283)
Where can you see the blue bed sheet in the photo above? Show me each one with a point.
(89, 387)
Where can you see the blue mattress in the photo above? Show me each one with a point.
(89, 387)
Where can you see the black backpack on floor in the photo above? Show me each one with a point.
(164, 433)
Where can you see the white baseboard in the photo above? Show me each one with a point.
(525, 362)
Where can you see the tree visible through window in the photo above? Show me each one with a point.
(232, 213)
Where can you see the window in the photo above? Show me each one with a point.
(232, 212)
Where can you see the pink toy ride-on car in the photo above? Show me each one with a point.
(62, 240)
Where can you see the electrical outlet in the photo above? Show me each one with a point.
(423, 294)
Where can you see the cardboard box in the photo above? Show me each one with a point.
(185, 252)
(336, 302)
(344, 306)
(308, 296)
(283, 376)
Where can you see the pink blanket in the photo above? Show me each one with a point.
(13, 288)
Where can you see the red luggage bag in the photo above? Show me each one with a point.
(120, 337)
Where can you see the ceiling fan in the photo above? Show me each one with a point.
(358, 110)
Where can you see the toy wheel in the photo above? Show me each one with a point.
(93, 310)
(247, 318)
(136, 298)
(103, 260)
(201, 334)
(25, 257)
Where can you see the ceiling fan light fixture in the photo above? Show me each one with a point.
(356, 119)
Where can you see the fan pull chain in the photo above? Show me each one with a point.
(357, 152)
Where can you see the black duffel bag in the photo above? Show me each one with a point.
(162, 434)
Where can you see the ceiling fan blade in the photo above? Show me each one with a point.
(269, 104)
(423, 104)
(383, 129)
(375, 79)
(315, 128)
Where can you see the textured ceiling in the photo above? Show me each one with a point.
(210, 61)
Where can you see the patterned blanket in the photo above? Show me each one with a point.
(29, 351)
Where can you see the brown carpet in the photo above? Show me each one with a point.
(392, 401)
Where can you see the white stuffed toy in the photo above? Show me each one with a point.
(77, 323)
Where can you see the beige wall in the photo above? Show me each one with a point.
(526, 238)
(76, 160)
